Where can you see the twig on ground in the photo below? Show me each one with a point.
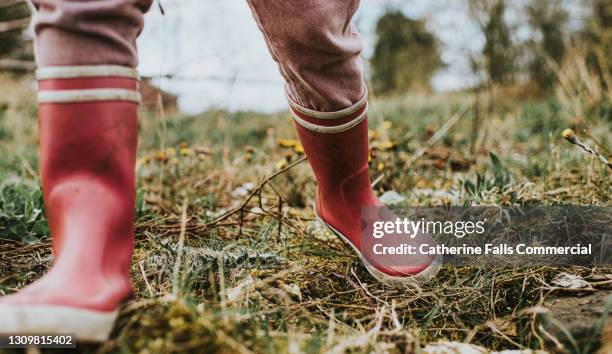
(180, 249)
(255, 191)
(437, 136)
(144, 277)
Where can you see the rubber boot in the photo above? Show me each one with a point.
(336, 144)
(88, 137)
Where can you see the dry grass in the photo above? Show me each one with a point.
(228, 260)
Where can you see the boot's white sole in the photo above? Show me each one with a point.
(421, 277)
(86, 325)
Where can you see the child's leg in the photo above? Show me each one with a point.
(88, 100)
(317, 48)
(94, 32)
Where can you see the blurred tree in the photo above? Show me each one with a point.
(498, 49)
(499, 52)
(598, 30)
(548, 19)
(406, 55)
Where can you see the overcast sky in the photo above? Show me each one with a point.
(221, 61)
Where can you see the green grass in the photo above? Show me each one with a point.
(269, 280)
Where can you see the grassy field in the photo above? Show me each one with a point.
(229, 260)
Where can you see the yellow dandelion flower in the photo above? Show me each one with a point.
(381, 166)
(386, 145)
(177, 322)
(144, 160)
(299, 149)
(281, 164)
(185, 151)
(569, 135)
(288, 143)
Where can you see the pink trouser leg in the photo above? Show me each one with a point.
(317, 49)
(88, 32)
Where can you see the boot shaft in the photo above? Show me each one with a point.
(88, 139)
(88, 124)
(336, 144)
